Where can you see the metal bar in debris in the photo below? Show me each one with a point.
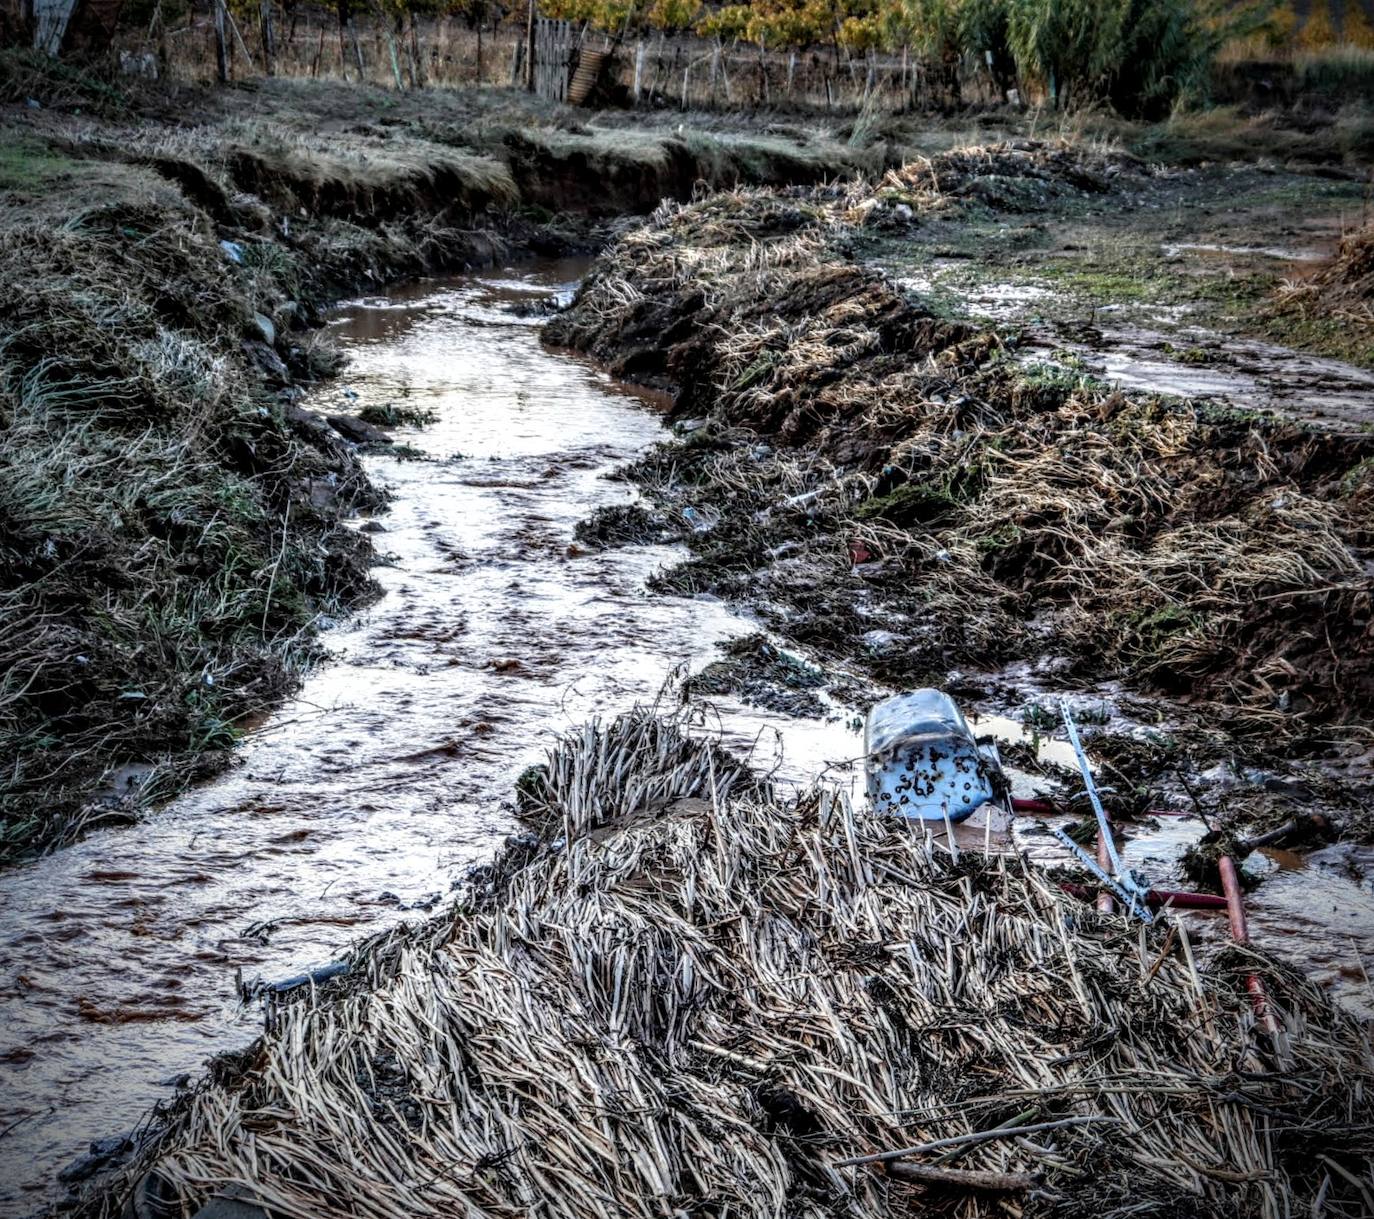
(1090, 787)
(1240, 932)
(1136, 901)
(1128, 899)
(1104, 899)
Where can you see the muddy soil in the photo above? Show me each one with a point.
(913, 493)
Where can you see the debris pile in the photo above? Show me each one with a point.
(1343, 289)
(1023, 176)
(876, 467)
(692, 998)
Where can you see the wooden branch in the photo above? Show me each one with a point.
(981, 1136)
(963, 1178)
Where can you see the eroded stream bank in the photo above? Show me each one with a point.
(361, 802)
(358, 805)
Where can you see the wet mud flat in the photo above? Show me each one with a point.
(359, 804)
(1239, 283)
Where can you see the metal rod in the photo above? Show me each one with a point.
(1105, 903)
(1139, 908)
(1090, 787)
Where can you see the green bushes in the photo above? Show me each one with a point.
(1139, 56)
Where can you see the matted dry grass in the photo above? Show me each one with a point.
(695, 999)
(1008, 510)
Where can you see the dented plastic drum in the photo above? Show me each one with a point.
(922, 759)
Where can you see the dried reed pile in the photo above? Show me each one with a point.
(877, 466)
(697, 1000)
(1343, 289)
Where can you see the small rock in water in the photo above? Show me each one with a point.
(262, 324)
(104, 1153)
(880, 643)
(350, 427)
(372, 527)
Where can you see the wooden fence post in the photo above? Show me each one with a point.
(529, 49)
(269, 41)
(357, 48)
(221, 44)
(416, 59)
(238, 37)
(395, 58)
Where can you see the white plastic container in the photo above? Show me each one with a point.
(922, 759)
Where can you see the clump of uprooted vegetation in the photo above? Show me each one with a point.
(1341, 293)
(696, 998)
(875, 467)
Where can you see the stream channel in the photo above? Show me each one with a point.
(364, 800)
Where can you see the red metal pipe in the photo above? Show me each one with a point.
(1105, 904)
(1240, 932)
(1045, 808)
(1158, 897)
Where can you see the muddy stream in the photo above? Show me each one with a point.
(363, 801)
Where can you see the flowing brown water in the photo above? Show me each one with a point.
(365, 799)
(389, 775)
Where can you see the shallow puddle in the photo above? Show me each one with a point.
(1250, 374)
(365, 799)
(1278, 253)
(1193, 362)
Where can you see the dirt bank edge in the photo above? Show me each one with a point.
(171, 521)
(908, 496)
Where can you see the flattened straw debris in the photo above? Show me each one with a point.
(702, 999)
(980, 1136)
